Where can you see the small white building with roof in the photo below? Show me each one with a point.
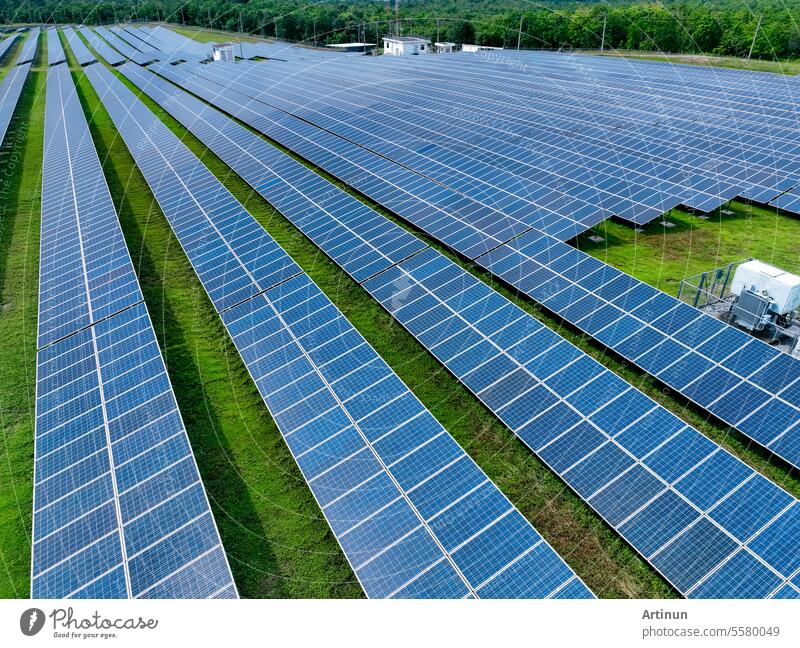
(223, 52)
(444, 47)
(405, 45)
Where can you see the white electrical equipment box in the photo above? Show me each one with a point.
(782, 288)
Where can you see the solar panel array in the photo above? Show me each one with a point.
(10, 91)
(550, 180)
(136, 43)
(412, 512)
(124, 48)
(119, 509)
(604, 127)
(78, 47)
(29, 47)
(710, 524)
(55, 51)
(744, 382)
(106, 52)
(6, 44)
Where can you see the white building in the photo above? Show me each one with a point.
(405, 45)
(223, 52)
(478, 48)
(444, 48)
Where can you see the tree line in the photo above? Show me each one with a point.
(718, 27)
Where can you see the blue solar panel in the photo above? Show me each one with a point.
(369, 450)
(55, 51)
(128, 51)
(86, 272)
(106, 52)
(648, 474)
(78, 47)
(616, 447)
(28, 52)
(10, 90)
(119, 509)
(6, 44)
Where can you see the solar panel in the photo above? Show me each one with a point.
(79, 49)
(134, 42)
(106, 52)
(619, 311)
(629, 458)
(6, 44)
(142, 58)
(413, 514)
(119, 510)
(29, 47)
(55, 51)
(10, 90)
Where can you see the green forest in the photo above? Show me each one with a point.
(715, 27)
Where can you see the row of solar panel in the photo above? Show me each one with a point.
(413, 514)
(10, 91)
(6, 44)
(127, 50)
(78, 47)
(575, 287)
(55, 51)
(683, 502)
(103, 49)
(28, 52)
(119, 509)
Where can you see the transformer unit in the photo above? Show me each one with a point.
(766, 297)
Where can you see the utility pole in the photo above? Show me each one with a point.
(315, 32)
(437, 31)
(519, 33)
(603, 40)
(397, 17)
(753, 44)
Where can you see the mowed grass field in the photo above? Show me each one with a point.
(664, 256)
(277, 540)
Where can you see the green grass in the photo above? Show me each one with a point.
(211, 35)
(708, 60)
(20, 163)
(663, 257)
